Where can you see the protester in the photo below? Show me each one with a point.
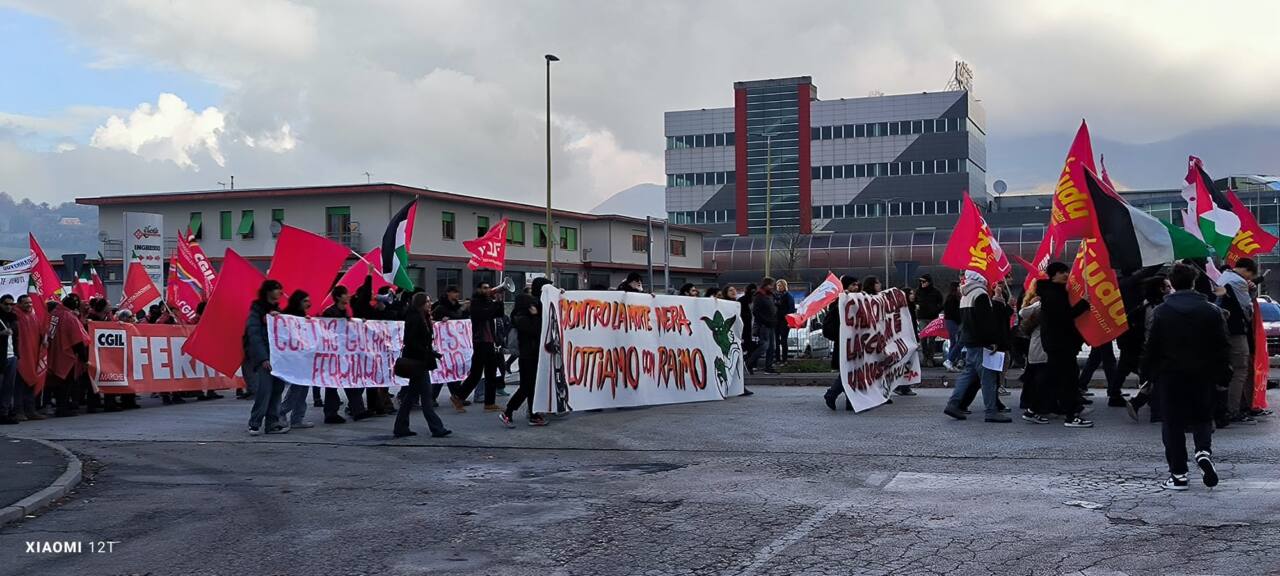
(1101, 355)
(713, 292)
(1154, 291)
(448, 308)
(688, 289)
(419, 337)
(786, 304)
(951, 317)
(928, 307)
(484, 356)
(340, 309)
(527, 316)
(28, 333)
(831, 331)
(1237, 301)
(257, 366)
(293, 408)
(366, 306)
(1036, 400)
(1133, 294)
(1187, 355)
(730, 293)
(8, 362)
(980, 335)
(632, 283)
(68, 353)
(764, 316)
(1061, 341)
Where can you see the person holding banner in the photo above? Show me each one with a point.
(294, 406)
(448, 308)
(485, 308)
(257, 366)
(831, 331)
(527, 316)
(339, 309)
(418, 337)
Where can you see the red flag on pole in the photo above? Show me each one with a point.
(1092, 278)
(216, 341)
(355, 275)
(1071, 214)
(306, 261)
(1033, 273)
(43, 281)
(99, 288)
(139, 290)
(822, 296)
(490, 250)
(1261, 359)
(973, 247)
(181, 293)
(192, 264)
(1251, 239)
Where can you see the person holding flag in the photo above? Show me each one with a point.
(257, 355)
(1238, 301)
(68, 354)
(1061, 341)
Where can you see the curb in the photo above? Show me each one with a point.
(60, 487)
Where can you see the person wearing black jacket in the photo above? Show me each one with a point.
(1061, 342)
(980, 333)
(8, 362)
(1187, 356)
(257, 362)
(1130, 342)
(486, 305)
(339, 309)
(527, 317)
(632, 283)
(928, 307)
(786, 304)
(366, 306)
(419, 336)
(831, 331)
(764, 313)
(449, 307)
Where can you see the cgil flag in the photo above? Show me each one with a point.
(1251, 239)
(1134, 238)
(1215, 220)
(489, 251)
(182, 292)
(973, 247)
(139, 291)
(396, 243)
(1093, 278)
(194, 265)
(1071, 213)
(818, 300)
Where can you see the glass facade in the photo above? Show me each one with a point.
(773, 154)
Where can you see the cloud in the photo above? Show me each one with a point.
(278, 141)
(167, 131)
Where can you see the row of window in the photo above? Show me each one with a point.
(701, 179)
(877, 129)
(699, 140)
(877, 209)
(515, 231)
(702, 216)
(640, 243)
(226, 223)
(876, 169)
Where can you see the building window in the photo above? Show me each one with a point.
(837, 131)
(224, 225)
(277, 221)
(246, 224)
(860, 130)
(448, 231)
(826, 172)
(515, 233)
(893, 128)
(194, 225)
(337, 223)
(482, 225)
(568, 238)
(815, 173)
(677, 247)
(539, 235)
(639, 243)
(729, 139)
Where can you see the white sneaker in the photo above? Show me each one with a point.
(303, 424)
(949, 366)
(255, 431)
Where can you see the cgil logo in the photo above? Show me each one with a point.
(110, 339)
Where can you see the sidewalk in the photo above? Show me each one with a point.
(36, 473)
(930, 378)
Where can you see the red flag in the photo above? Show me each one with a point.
(354, 277)
(83, 286)
(1093, 279)
(1261, 360)
(65, 332)
(181, 293)
(490, 250)
(1102, 162)
(44, 281)
(935, 329)
(216, 341)
(1033, 272)
(99, 288)
(306, 261)
(822, 296)
(1251, 239)
(1071, 215)
(33, 344)
(973, 247)
(139, 290)
(194, 266)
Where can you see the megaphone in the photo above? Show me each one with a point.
(507, 285)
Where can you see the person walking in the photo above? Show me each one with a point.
(979, 334)
(1061, 341)
(1237, 300)
(951, 318)
(1188, 356)
(1103, 355)
(419, 336)
(1155, 291)
(764, 315)
(831, 331)
(527, 317)
(1035, 401)
(928, 306)
(257, 366)
(786, 304)
(8, 362)
(340, 309)
(293, 409)
(449, 307)
(1129, 343)
(486, 305)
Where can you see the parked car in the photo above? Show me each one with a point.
(808, 342)
(1271, 324)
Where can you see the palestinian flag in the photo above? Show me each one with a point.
(1215, 221)
(1134, 238)
(84, 286)
(395, 246)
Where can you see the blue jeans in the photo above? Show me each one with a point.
(953, 353)
(266, 398)
(764, 347)
(973, 370)
(294, 404)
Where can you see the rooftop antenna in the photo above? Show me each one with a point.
(222, 184)
(367, 177)
(962, 78)
(233, 181)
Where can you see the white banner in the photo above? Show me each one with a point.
(14, 284)
(877, 347)
(144, 241)
(620, 349)
(453, 342)
(334, 352)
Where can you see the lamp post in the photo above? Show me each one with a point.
(549, 231)
(768, 195)
(887, 243)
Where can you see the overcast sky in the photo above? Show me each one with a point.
(156, 95)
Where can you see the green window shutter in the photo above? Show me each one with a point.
(194, 224)
(539, 235)
(337, 211)
(277, 215)
(246, 224)
(224, 225)
(568, 238)
(482, 225)
(515, 233)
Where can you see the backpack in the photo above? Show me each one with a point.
(831, 326)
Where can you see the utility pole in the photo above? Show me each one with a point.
(648, 254)
(550, 58)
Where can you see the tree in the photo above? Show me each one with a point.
(790, 255)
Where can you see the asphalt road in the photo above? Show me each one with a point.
(770, 484)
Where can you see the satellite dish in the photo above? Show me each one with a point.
(103, 236)
(276, 226)
(1000, 187)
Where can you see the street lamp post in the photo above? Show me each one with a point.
(887, 243)
(549, 231)
(768, 202)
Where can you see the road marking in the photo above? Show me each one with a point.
(765, 554)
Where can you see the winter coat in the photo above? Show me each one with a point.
(446, 310)
(979, 325)
(483, 313)
(929, 302)
(1058, 333)
(831, 331)
(335, 311)
(528, 325)
(786, 304)
(256, 350)
(764, 311)
(1187, 356)
(1029, 318)
(748, 333)
(419, 336)
(1238, 303)
(951, 307)
(1002, 314)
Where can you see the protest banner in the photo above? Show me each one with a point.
(334, 352)
(616, 349)
(145, 358)
(877, 347)
(453, 342)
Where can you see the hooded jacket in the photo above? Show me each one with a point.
(1187, 355)
(1058, 333)
(978, 323)
(929, 301)
(1238, 303)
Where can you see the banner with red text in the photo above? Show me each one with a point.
(144, 358)
(334, 352)
(453, 343)
(877, 348)
(615, 349)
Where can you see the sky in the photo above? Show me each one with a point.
(138, 96)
